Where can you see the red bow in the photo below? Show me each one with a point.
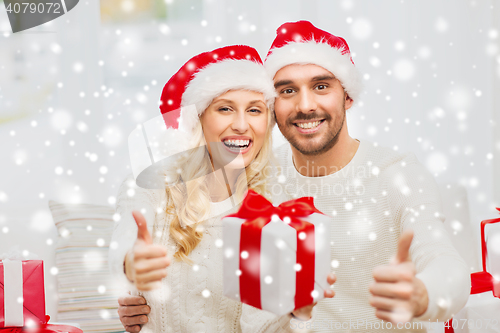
(258, 211)
(256, 205)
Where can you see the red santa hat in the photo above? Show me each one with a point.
(211, 74)
(302, 43)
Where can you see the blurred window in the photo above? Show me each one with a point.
(132, 11)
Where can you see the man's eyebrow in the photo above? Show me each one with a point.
(282, 83)
(314, 79)
(323, 78)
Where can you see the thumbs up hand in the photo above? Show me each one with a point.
(146, 264)
(397, 294)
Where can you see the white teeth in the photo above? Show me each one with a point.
(238, 143)
(308, 125)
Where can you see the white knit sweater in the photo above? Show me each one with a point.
(191, 297)
(379, 194)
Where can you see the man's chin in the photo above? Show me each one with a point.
(313, 146)
(308, 149)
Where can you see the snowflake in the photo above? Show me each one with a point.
(78, 67)
(104, 314)
(61, 120)
(437, 162)
(441, 25)
(404, 70)
(361, 28)
(346, 4)
(41, 221)
(375, 62)
(399, 46)
(205, 293)
(93, 261)
(424, 52)
(56, 48)
(456, 226)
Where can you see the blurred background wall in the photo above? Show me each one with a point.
(72, 90)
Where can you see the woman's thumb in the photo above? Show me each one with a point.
(142, 227)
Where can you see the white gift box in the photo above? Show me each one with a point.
(482, 311)
(481, 314)
(492, 235)
(277, 264)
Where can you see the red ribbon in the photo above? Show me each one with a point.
(481, 282)
(258, 212)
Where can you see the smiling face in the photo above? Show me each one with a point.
(310, 107)
(237, 123)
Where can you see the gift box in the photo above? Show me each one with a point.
(22, 297)
(276, 258)
(482, 311)
(42, 328)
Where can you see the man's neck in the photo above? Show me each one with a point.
(328, 162)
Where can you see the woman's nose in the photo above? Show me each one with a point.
(240, 123)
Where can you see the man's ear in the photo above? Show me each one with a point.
(348, 102)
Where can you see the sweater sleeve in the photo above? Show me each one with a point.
(130, 197)
(254, 320)
(415, 203)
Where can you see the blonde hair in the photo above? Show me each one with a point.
(189, 202)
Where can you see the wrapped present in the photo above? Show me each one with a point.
(22, 297)
(42, 328)
(276, 258)
(47, 328)
(482, 311)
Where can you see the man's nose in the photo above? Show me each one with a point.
(306, 102)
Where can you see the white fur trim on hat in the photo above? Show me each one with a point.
(321, 54)
(220, 77)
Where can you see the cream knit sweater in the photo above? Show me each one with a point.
(379, 194)
(191, 297)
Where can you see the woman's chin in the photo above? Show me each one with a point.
(231, 160)
(239, 163)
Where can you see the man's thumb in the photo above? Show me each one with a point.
(404, 243)
(142, 227)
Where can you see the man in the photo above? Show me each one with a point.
(390, 252)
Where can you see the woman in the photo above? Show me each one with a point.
(232, 96)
